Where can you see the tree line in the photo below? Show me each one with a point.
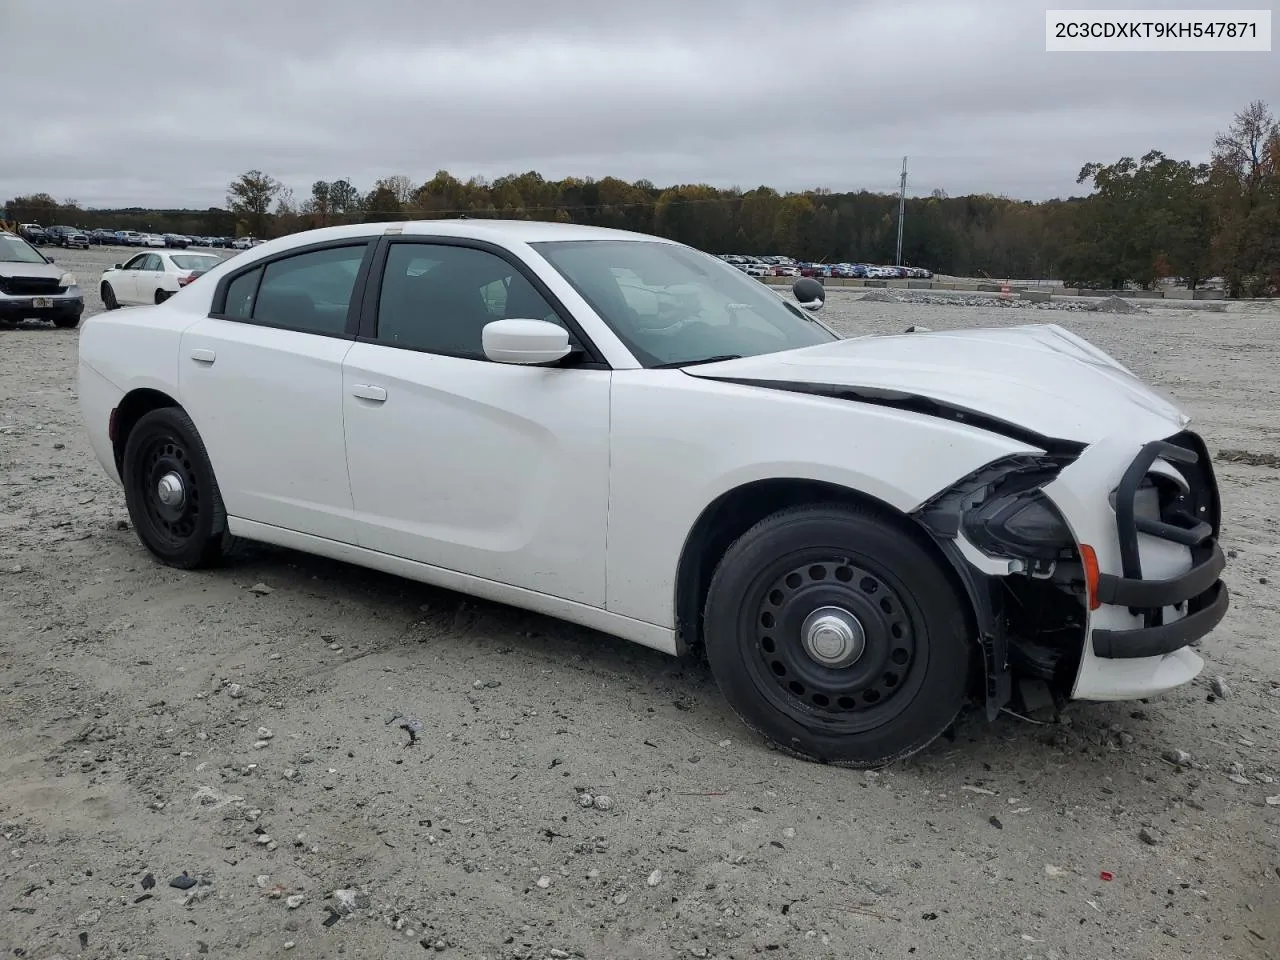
(1144, 219)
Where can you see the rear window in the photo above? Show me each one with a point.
(186, 261)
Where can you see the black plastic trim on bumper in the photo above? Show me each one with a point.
(1126, 592)
(1157, 641)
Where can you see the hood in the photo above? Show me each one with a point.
(51, 270)
(1037, 382)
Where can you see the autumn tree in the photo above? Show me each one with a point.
(1145, 217)
(1246, 190)
(344, 199)
(399, 186)
(250, 198)
(320, 202)
(382, 204)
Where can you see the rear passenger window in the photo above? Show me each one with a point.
(240, 295)
(310, 292)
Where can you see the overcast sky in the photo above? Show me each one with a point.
(129, 102)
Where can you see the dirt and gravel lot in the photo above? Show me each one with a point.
(233, 726)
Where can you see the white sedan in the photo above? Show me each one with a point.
(624, 432)
(152, 277)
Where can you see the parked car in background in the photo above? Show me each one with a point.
(69, 237)
(624, 432)
(33, 233)
(129, 238)
(175, 241)
(33, 287)
(151, 240)
(102, 237)
(151, 278)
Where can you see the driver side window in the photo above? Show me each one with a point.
(438, 297)
(135, 263)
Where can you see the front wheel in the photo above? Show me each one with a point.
(171, 491)
(67, 322)
(834, 632)
(109, 297)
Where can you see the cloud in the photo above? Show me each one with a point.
(116, 102)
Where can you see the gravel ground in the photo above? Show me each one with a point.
(241, 727)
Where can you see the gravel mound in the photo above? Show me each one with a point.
(1116, 305)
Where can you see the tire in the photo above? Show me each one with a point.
(67, 323)
(192, 533)
(162, 296)
(858, 708)
(109, 297)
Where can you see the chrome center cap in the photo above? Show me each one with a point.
(833, 637)
(170, 490)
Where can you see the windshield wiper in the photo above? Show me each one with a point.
(690, 363)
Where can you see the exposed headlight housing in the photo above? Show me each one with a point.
(1001, 510)
(1025, 526)
(67, 280)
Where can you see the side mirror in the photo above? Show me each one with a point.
(524, 341)
(119, 267)
(809, 293)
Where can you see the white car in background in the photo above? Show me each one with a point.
(150, 240)
(151, 278)
(627, 433)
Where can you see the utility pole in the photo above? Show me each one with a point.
(902, 209)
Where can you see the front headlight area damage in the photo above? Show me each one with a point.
(1022, 568)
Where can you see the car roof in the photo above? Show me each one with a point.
(503, 231)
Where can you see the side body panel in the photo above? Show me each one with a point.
(268, 404)
(679, 442)
(493, 470)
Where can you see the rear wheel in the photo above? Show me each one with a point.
(162, 296)
(171, 491)
(109, 297)
(834, 633)
(69, 322)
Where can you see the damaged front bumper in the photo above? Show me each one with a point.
(1152, 562)
(1096, 569)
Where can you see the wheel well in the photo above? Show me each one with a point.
(135, 405)
(733, 513)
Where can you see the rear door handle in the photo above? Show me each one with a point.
(201, 355)
(366, 391)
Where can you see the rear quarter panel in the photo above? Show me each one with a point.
(121, 351)
(679, 442)
(135, 347)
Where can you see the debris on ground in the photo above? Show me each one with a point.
(183, 882)
(1220, 688)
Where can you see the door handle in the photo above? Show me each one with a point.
(366, 391)
(202, 355)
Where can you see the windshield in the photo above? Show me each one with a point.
(194, 261)
(16, 250)
(673, 305)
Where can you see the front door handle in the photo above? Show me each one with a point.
(366, 391)
(203, 355)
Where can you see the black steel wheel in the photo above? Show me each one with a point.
(834, 632)
(171, 492)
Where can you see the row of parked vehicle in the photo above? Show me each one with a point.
(790, 267)
(33, 287)
(75, 238)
